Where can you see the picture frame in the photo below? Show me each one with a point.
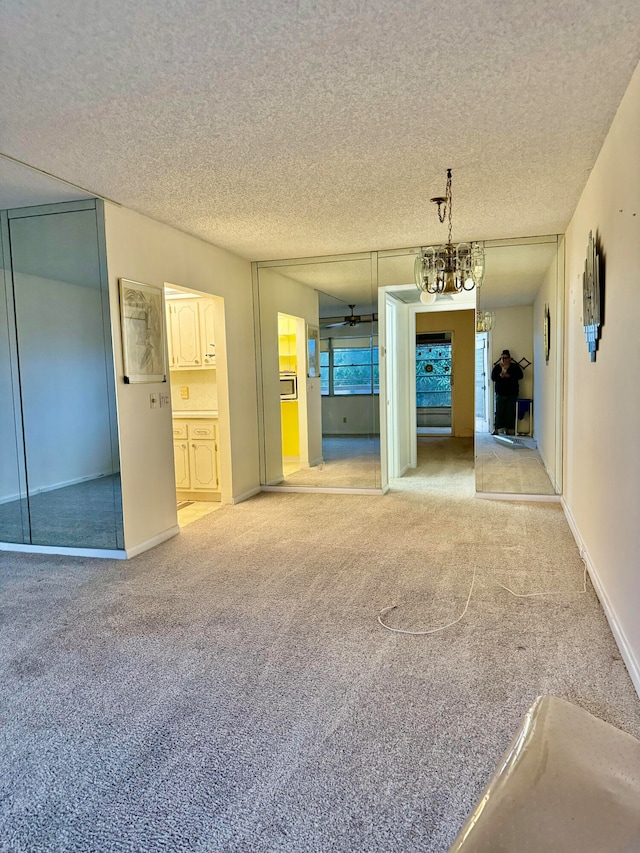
(313, 352)
(143, 335)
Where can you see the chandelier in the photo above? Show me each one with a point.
(448, 269)
(485, 321)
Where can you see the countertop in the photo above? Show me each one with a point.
(200, 414)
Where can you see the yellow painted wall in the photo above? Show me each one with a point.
(290, 428)
(462, 324)
(287, 344)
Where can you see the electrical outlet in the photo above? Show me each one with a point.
(165, 400)
(184, 392)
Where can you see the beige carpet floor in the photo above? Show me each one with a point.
(516, 469)
(232, 689)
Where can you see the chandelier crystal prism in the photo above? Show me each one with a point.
(448, 269)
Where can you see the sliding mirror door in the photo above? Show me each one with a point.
(59, 437)
(518, 401)
(14, 513)
(320, 414)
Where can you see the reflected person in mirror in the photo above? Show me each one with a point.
(506, 375)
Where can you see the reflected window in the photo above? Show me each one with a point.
(324, 370)
(349, 367)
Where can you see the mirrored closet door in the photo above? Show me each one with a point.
(60, 481)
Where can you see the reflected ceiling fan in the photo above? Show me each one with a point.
(351, 320)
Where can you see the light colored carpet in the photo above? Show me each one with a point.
(232, 690)
(348, 462)
(516, 470)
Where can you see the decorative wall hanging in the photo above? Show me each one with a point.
(547, 333)
(142, 317)
(591, 307)
(313, 352)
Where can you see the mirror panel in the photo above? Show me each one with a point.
(522, 283)
(66, 389)
(320, 431)
(14, 512)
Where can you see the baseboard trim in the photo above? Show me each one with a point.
(323, 490)
(630, 660)
(103, 553)
(169, 533)
(238, 499)
(510, 496)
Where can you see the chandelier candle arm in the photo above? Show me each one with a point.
(449, 269)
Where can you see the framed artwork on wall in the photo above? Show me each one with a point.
(313, 352)
(142, 318)
(591, 298)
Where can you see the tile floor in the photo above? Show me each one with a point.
(196, 510)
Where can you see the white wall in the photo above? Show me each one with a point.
(513, 330)
(67, 434)
(279, 294)
(143, 250)
(602, 418)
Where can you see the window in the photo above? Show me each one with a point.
(433, 375)
(349, 366)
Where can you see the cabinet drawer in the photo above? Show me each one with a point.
(202, 429)
(180, 429)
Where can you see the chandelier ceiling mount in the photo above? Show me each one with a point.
(448, 269)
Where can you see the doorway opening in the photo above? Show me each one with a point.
(293, 409)
(434, 360)
(197, 378)
(483, 389)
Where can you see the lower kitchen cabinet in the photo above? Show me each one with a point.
(195, 443)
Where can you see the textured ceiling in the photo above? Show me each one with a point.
(289, 128)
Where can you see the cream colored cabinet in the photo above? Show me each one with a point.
(184, 333)
(206, 308)
(190, 333)
(196, 457)
(181, 461)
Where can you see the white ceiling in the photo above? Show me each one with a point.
(289, 128)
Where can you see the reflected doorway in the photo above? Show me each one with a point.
(292, 372)
(483, 397)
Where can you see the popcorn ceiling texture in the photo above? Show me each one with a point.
(291, 128)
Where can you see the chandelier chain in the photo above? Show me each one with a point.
(449, 203)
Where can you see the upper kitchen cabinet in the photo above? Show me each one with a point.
(190, 333)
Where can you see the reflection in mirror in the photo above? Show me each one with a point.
(428, 379)
(320, 431)
(14, 516)
(517, 405)
(68, 489)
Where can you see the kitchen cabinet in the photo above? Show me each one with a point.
(190, 333)
(196, 457)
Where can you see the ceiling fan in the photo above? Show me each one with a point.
(351, 320)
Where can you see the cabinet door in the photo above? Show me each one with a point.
(182, 466)
(204, 474)
(185, 333)
(207, 335)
